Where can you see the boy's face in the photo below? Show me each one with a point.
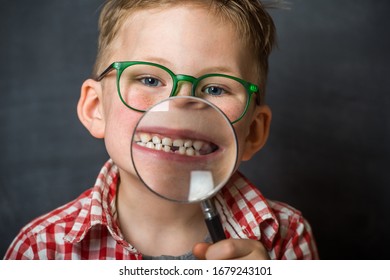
(187, 40)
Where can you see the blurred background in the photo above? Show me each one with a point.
(328, 154)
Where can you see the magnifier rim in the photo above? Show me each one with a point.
(216, 189)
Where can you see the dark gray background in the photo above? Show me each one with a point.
(328, 153)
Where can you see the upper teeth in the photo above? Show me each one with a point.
(182, 146)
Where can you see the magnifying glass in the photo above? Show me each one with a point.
(184, 149)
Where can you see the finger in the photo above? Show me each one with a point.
(237, 249)
(200, 249)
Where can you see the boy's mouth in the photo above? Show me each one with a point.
(182, 146)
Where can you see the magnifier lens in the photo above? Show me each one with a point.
(184, 149)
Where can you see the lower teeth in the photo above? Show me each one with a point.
(189, 151)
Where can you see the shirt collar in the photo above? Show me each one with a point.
(98, 205)
(245, 213)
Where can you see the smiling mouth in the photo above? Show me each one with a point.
(181, 146)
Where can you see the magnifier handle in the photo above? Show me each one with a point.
(215, 228)
(213, 221)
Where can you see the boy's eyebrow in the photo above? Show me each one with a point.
(220, 69)
(208, 70)
(158, 60)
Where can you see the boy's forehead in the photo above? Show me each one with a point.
(136, 21)
(143, 30)
(149, 13)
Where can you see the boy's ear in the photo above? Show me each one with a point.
(90, 108)
(258, 131)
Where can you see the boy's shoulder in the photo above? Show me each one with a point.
(90, 205)
(46, 233)
(245, 204)
(246, 213)
(61, 217)
(49, 235)
(284, 211)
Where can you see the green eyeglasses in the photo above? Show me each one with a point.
(143, 84)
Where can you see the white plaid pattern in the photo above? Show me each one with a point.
(86, 228)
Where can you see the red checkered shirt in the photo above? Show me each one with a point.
(86, 228)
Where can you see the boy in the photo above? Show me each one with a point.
(121, 219)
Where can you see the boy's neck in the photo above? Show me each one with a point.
(156, 226)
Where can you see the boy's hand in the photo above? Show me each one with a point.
(231, 249)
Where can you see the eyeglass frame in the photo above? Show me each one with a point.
(120, 66)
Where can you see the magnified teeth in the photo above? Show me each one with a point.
(137, 138)
(166, 141)
(178, 142)
(180, 146)
(150, 145)
(198, 145)
(145, 137)
(188, 143)
(182, 150)
(190, 152)
(156, 140)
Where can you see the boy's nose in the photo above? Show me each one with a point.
(183, 89)
(187, 102)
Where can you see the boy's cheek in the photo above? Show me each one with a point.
(120, 125)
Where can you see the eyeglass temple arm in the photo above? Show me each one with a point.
(258, 98)
(105, 72)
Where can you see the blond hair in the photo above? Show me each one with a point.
(254, 25)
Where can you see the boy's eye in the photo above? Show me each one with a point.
(151, 82)
(214, 90)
